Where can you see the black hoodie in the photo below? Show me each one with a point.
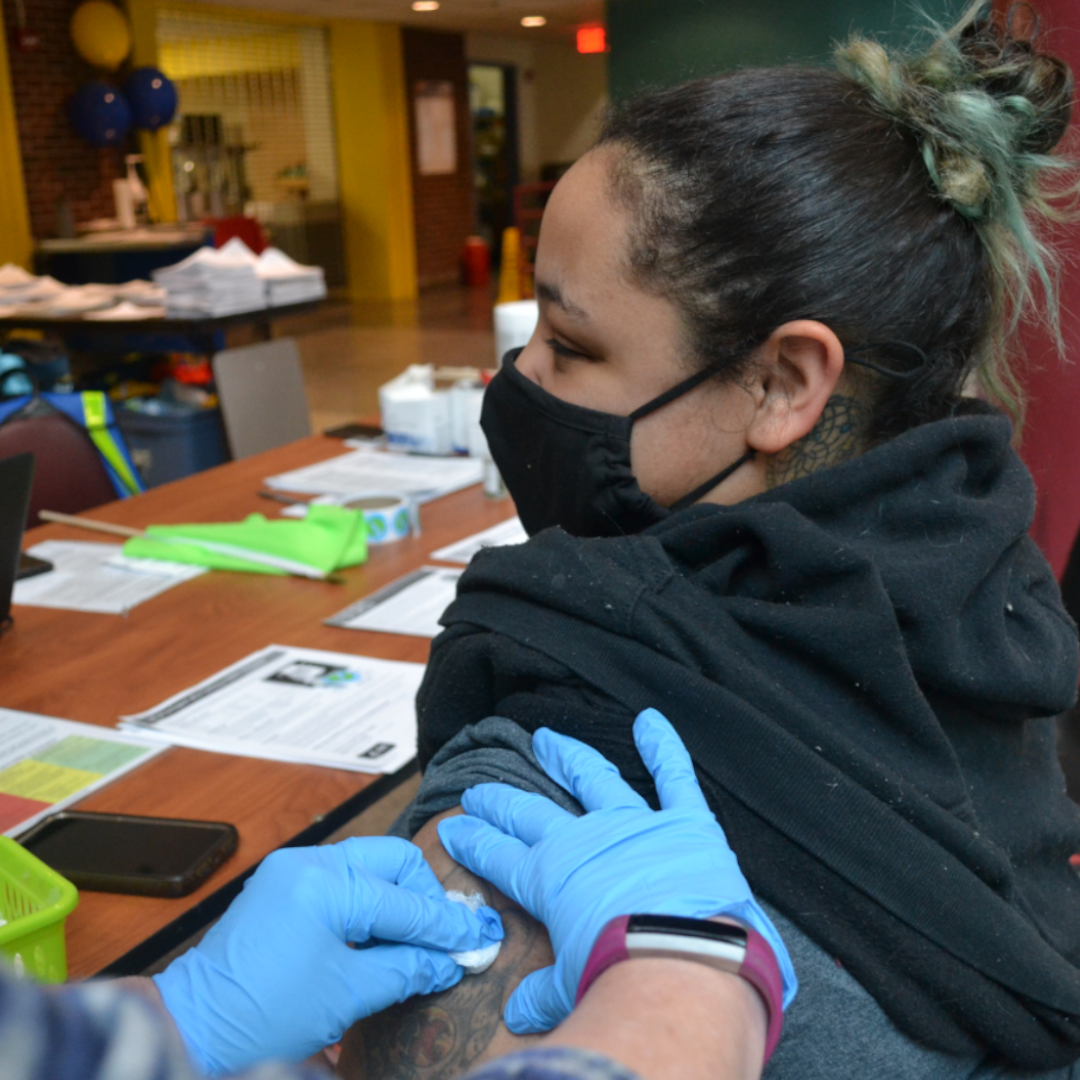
(862, 664)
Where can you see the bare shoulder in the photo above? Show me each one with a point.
(445, 1035)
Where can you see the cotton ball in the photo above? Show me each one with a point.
(473, 961)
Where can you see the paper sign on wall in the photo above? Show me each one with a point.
(436, 130)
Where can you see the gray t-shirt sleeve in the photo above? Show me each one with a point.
(553, 1063)
(834, 1028)
(495, 751)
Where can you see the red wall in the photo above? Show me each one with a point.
(1051, 445)
(57, 163)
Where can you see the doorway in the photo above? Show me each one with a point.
(493, 108)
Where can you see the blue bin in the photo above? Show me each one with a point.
(173, 440)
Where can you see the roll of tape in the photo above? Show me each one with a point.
(388, 517)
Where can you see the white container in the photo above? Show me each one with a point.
(461, 394)
(476, 439)
(416, 416)
(514, 325)
(124, 201)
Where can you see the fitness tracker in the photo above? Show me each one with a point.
(724, 943)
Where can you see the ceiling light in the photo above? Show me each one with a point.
(534, 20)
(425, 5)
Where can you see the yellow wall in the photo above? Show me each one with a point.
(16, 244)
(375, 180)
(229, 55)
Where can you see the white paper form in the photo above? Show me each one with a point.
(97, 577)
(302, 705)
(424, 478)
(504, 534)
(47, 764)
(410, 605)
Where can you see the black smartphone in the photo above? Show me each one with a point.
(31, 566)
(355, 431)
(126, 854)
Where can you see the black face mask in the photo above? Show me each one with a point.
(570, 466)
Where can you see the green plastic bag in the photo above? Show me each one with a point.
(328, 539)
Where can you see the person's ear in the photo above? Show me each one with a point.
(795, 373)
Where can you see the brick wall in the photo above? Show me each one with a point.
(57, 163)
(442, 205)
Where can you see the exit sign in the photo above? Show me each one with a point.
(591, 39)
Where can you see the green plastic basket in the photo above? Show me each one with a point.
(35, 900)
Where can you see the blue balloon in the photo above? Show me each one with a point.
(152, 96)
(100, 114)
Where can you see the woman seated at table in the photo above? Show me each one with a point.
(765, 301)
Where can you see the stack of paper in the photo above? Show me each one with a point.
(213, 282)
(20, 291)
(96, 577)
(47, 764)
(411, 605)
(15, 277)
(76, 300)
(143, 293)
(304, 705)
(127, 310)
(366, 471)
(287, 281)
(502, 535)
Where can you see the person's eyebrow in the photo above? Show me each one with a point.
(553, 295)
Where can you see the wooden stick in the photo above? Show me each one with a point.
(89, 524)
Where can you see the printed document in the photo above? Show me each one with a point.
(304, 705)
(47, 764)
(424, 478)
(410, 605)
(97, 577)
(508, 532)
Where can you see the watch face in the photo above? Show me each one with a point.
(727, 932)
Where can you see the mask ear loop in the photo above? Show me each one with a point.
(704, 489)
(676, 391)
(901, 346)
(701, 376)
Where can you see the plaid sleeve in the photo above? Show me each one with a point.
(553, 1063)
(95, 1031)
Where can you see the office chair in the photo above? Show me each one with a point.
(68, 472)
(261, 389)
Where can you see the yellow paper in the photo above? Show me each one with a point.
(44, 782)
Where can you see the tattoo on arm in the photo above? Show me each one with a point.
(837, 436)
(445, 1035)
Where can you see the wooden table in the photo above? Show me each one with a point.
(94, 668)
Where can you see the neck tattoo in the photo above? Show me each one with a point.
(837, 436)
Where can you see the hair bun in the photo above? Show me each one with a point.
(1032, 85)
(987, 109)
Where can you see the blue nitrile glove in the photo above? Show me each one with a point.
(575, 874)
(274, 978)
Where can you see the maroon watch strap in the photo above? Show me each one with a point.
(725, 944)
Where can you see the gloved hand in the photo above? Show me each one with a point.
(575, 874)
(274, 978)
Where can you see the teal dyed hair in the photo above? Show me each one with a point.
(987, 110)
